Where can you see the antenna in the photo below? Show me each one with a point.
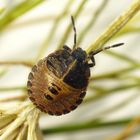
(75, 35)
(105, 48)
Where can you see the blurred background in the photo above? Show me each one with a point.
(30, 30)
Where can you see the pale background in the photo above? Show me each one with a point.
(22, 43)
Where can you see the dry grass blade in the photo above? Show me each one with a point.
(25, 63)
(128, 130)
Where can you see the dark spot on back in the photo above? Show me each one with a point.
(29, 84)
(30, 92)
(65, 111)
(32, 99)
(82, 94)
(58, 113)
(35, 103)
(56, 86)
(48, 97)
(40, 62)
(79, 101)
(53, 90)
(34, 68)
(40, 108)
(50, 113)
(30, 77)
(73, 107)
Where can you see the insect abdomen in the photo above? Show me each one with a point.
(49, 93)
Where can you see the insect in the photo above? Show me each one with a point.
(58, 83)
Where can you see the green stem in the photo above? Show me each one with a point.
(129, 29)
(123, 57)
(3, 89)
(105, 92)
(84, 125)
(114, 74)
(116, 26)
(14, 98)
(1, 10)
(32, 21)
(120, 88)
(18, 11)
(25, 63)
(117, 106)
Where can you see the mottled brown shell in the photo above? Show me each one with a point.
(51, 85)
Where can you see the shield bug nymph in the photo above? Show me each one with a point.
(58, 83)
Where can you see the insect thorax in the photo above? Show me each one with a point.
(71, 66)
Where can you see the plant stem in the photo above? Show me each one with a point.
(17, 123)
(25, 63)
(32, 121)
(2, 89)
(102, 93)
(1, 10)
(32, 21)
(116, 107)
(84, 125)
(123, 57)
(116, 26)
(13, 98)
(127, 30)
(114, 74)
(128, 130)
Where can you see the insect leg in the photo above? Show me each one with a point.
(92, 59)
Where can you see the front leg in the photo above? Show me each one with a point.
(92, 61)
